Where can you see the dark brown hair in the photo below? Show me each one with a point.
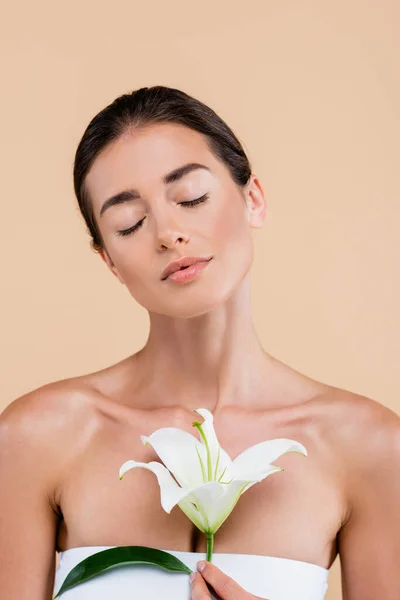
(148, 105)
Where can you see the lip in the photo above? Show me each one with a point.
(184, 261)
(189, 274)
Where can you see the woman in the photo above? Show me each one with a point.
(159, 177)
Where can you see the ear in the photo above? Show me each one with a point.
(104, 255)
(255, 202)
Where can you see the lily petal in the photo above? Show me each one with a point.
(206, 495)
(189, 507)
(170, 491)
(198, 503)
(224, 461)
(257, 458)
(223, 506)
(177, 450)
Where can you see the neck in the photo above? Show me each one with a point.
(215, 358)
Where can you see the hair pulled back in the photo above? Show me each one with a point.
(145, 106)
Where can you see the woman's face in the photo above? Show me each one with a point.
(218, 226)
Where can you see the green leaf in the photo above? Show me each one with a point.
(122, 555)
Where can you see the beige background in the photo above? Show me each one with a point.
(311, 88)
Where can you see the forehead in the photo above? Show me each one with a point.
(141, 158)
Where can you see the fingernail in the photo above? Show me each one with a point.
(192, 576)
(201, 565)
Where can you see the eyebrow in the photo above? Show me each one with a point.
(133, 194)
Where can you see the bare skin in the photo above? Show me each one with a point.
(61, 445)
(270, 520)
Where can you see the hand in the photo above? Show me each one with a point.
(224, 586)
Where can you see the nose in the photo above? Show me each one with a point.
(169, 238)
(169, 232)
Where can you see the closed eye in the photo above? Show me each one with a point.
(196, 201)
(124, 232)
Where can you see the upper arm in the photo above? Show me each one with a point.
(369, 542)
(28, 520)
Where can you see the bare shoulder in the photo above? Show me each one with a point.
(41, 432)
(45, 421)
(361, 415)
(57, 404)
(362, 430)
(365, 436)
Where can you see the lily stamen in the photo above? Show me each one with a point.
(198, 426)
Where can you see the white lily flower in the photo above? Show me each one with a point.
(207, 483)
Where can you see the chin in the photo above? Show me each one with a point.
(198, 300)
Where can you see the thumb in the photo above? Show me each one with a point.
(226, 587)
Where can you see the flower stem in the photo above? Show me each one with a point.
(210, 546)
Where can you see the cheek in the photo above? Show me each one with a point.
(231, 232)
(229, 238)
(142, 280)
(133, 269)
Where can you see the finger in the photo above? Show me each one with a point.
(198, 589)
(226, 587)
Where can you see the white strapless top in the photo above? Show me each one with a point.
(265, 576)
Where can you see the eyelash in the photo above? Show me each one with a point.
(189, 203)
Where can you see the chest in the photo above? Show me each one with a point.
(294, 513)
